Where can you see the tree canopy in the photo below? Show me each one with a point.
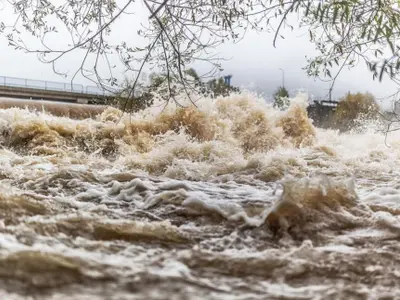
(179, 33)
(355, 108)
(280, 97)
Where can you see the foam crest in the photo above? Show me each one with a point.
(216, 138)
(317, 203)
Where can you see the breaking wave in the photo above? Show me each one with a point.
(224, 135)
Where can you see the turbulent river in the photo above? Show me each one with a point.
(230, 200)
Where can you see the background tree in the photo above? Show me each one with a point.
(182, 32)
(218, 87)
(353, 109)
(281, 97)
(143, 97)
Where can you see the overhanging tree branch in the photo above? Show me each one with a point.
(180, 33)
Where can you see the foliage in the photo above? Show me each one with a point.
(144, 93)
(354, 108)
(182, 32)
(218, 87)
(193, 73)
(353, 31)
(281, 97)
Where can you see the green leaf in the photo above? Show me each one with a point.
(335, 13)
(379, 21)
(364, 32)
(383, 69)
(398, 62)
(347, 11)
(328, 73)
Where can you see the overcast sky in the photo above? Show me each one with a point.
(254, 63)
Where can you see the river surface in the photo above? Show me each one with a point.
(231, 200)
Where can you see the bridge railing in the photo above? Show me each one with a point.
(51, 86)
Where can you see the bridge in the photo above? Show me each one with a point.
(21, 88)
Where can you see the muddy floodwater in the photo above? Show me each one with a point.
(230, 200)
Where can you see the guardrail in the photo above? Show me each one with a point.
(51, 86)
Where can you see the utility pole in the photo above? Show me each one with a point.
(283, 77)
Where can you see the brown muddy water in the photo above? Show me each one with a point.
(71, 110)
(232, 200)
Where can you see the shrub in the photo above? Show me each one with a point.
(281, 98)
(352, 109)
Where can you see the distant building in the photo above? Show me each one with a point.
(227, 80)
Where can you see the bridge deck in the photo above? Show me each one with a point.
(41, 94)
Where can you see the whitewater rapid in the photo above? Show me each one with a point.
(229, 200)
